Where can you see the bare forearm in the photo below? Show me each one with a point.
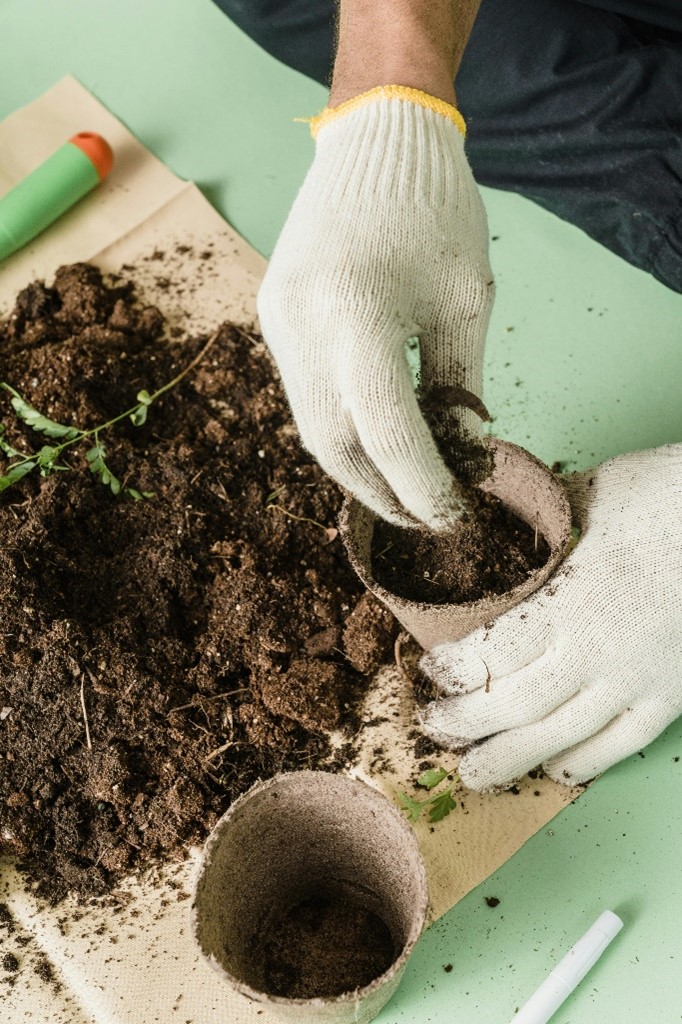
(416, 43)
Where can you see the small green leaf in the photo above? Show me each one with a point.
(441, 806)
(136, 495)
(11, 452)
(15, 473)
(412, 806)
(144, 397)
(36, 420)
(97, 465)
(274, 494)
(139, 416)
(46, 426)
(46, 455)
(94, 453)
(431, 778)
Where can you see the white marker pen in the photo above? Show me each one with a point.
(569, 972)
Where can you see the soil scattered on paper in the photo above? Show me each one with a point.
(10, 963)
(323, 947)
(490, 552)
(210, 636)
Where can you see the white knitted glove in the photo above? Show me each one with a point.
(387, 240)
(589, 669)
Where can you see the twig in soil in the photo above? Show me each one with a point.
(426, 577)
(331, 531)
(195, 725)
(47, 458)
(217, 696)
(398, 655)
(91, 675)
(85, 714)
(219, 750)
(246, 334)
(535, 542)
(101, 853)
(387, 548)
(224, 496)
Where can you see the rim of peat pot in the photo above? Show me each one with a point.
(339, 817)
(529, 489)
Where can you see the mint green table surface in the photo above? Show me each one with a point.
(584, 362)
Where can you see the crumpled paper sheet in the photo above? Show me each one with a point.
(140, 208)
(136, 963)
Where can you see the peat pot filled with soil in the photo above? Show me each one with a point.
(443, 586)
(310, 898)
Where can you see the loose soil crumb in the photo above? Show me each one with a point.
(369, 633)
(490, 552)
(424, 746)
(43, 968)
(216, 632)
(10, 963)
(323, 947)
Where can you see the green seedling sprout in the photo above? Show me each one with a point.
(438, 805)
(47, 458)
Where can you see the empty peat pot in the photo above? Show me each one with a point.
(530, 490)
(308, 882)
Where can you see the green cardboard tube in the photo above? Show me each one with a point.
(53, 188)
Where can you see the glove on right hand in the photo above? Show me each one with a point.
(386, 240)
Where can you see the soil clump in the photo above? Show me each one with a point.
(207, 637)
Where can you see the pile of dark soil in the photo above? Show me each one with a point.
(207, 637)
(490, 552)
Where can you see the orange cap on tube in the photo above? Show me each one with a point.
(97, 150)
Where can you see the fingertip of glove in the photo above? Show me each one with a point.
(564, 777)
(447, 516)
(472, 772)
(438, 668)
(432, 721)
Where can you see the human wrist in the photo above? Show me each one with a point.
(352, 77)
(400, 42)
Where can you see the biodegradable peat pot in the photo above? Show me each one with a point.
(302, 836)
(529, 489)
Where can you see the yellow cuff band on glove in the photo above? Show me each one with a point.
(387, 92)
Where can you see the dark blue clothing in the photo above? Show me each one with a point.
(575, 104)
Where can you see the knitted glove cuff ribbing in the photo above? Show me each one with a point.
(387, 92)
